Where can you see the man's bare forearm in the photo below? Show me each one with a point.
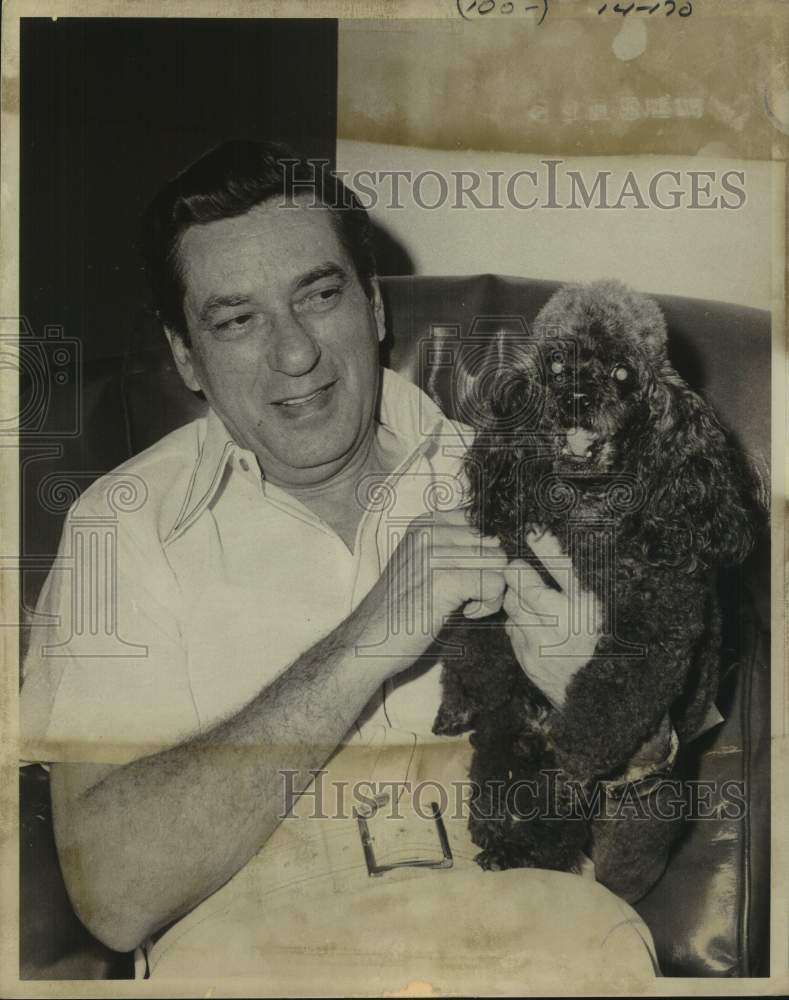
(141, 844)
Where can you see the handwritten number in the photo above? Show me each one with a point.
(646, 8)
(483, 7)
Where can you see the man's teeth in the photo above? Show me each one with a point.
(302, 400)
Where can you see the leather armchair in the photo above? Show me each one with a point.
(709, 913)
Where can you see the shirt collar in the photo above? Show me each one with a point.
(405, 410)
(215, 450)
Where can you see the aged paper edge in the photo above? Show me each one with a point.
(10, 985)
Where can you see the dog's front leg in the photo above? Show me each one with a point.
(617, 701)
(523, 812)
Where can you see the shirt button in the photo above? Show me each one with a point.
(244, 465)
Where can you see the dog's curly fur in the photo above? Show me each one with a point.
(585, 429)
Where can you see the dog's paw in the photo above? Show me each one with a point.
(499, 859)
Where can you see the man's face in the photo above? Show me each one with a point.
(284, 340)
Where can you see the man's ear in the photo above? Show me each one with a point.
(182, 356)
(378, 310)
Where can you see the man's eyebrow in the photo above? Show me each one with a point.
(327, 270)
(214, 302)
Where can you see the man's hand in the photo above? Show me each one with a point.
(441, 565)
(553, 632)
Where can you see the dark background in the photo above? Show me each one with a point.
(110, 109)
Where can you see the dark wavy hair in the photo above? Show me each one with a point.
(228, 181)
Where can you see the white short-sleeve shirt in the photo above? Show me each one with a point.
(185, 583)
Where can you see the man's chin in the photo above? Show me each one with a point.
(309, 466)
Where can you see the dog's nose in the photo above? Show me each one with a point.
(582, 400)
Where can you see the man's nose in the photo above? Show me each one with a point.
(294, 350)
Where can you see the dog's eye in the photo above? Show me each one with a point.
(621, 373)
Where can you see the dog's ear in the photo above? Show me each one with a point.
(500, 391)
(497, 377)
(700, 505)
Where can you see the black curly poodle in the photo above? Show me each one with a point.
(584, 428)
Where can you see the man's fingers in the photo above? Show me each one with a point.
(519, 638)
(481, 609)
(536, 613)
(545, 546)
(455, 516)
(490, 589)
(457, 519)
(526, 588)
(549, 551)
(448, 558)
(490, 540)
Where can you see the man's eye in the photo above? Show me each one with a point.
(321, 300)
(235, 324)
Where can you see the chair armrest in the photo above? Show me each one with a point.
(710, 912)
(53, 944)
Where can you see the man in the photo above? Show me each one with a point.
(257, 581)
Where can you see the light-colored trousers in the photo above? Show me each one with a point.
(305, 918)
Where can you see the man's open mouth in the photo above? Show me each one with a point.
(296, 401)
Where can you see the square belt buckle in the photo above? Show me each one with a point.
(374, 869)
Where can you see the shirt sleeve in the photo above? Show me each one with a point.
(106, 679)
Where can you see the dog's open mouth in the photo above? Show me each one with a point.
(580, 446)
